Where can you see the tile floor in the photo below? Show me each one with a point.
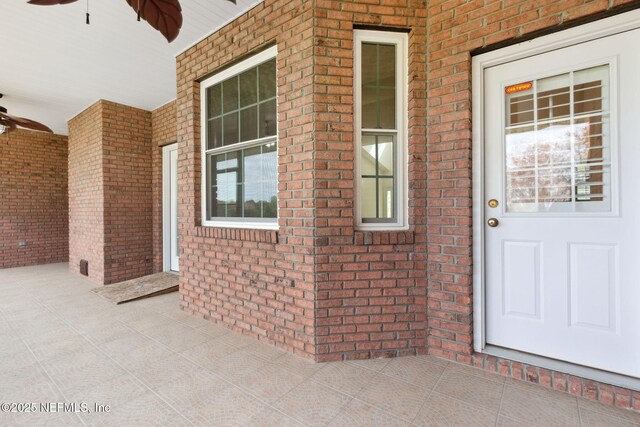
(155, 365)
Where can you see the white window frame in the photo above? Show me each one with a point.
(232, 71)
(400, 40)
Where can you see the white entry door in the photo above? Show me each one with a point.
(170, 207)
(562, 204)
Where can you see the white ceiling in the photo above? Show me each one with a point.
(53, 65)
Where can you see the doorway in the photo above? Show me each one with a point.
(171, 247)
(556, 202)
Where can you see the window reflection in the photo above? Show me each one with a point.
(557, 153)
(243, 183)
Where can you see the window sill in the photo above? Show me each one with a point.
(245, 225)
(246, 234)
(363, 238)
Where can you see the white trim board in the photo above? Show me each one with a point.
(232, 71)
(166, 206)
(606, 27)
(401, 185)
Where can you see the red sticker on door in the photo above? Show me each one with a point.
(520, 87)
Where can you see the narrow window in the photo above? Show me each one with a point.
(239, 143)
(381, 120)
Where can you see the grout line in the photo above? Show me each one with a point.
(380, 373)
(351, 396)
(504, 387)
(597, 410)
(118, 364)
(41, 366)
(57, 300)
(359, 399)
(582, 423)
(220, 377)
(413, 420)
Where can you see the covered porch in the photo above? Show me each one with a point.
(151, 363)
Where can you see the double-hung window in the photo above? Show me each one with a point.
(381, 123)
(239, 144)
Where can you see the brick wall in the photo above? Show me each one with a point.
(257, 282)
(371, 286)
(455, 29)
(317, 286)
(163, 124)
(86, 218)
(357, 313)
(34, 206)
(127, 179)
(110, 192)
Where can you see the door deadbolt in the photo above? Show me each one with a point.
(493, 222)
(493, 203)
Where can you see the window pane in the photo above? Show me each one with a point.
(385, 198)
(249, 123)
(377, 155)
(214, 100)
(270, 180)
(369, 61)
(224, 178)
(387, 107)
(244, 183)
(378, 86)
(387, 65)
(230, 123)
(591, 90)
(267, 119)
(377, 178)
(234, 210)
(368, 197)
(267, 78)
(249, 87)
(230, 95)
(553, 97)
(252, 182)
(520, 109)
(369, 156)
(385, 155)
(557, 156)
(369, 108)
(214, 134)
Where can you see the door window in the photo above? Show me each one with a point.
(557, 143)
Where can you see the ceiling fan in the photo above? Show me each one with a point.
(9, 123)
(163, 15)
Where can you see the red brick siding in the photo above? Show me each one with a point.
(127, 175)
(371, 287)
(250, 282)
(454, 29)
(317, 286)
(86, 218)
(110, 192)
(33, 199)
(163, 124)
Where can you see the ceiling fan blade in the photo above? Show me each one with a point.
(27, 124)
(163, 15)
(7, 123)
(50, 2)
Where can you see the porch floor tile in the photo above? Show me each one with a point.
(155, 365)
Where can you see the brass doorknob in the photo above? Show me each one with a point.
(493, 222)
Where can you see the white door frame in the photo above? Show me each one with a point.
(580, 34)
(166, 206)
